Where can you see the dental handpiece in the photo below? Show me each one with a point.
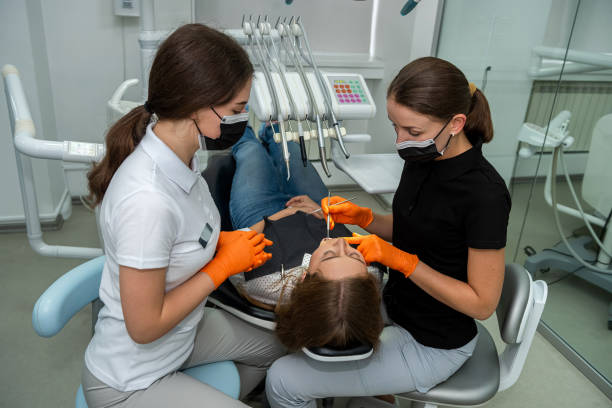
(302, 144)
(324, 90)
(272, 87)
(280, 67)
(321, 141)
(283, 31)
(281, 125)
(306, 83)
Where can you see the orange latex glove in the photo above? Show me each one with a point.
(375, 249)
(237, 251)
(346, 213)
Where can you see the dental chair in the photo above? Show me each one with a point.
(80, 286)
(486, 373)
(218, 174)
(483, 375)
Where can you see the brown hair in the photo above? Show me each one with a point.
(435, 87)
(194, 68)
(334, 313)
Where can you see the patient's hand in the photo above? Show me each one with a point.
(305, 204)
(283, 213)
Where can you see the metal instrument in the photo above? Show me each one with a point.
(340, 202)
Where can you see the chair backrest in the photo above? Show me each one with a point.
(518, 314)
(218, 174)
(514, 304)
(66, 296)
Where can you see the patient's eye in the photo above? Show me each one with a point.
(328, 254)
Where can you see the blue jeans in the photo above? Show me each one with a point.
(260, 187)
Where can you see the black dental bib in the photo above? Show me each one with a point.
(293, 236)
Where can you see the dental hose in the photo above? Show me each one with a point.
(553, 193)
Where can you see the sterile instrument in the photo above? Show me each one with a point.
(328, 197)
(340, 202)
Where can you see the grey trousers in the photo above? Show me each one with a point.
(399, 364)
(220, 336)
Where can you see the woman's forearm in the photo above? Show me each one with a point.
(381, 225)
(478, 297)
(149, 311)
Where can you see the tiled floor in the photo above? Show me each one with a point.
(38, 372)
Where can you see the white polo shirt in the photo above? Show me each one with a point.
(152, 216)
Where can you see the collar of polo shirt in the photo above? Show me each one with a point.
(169, 163)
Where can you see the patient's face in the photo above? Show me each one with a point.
(336, 259)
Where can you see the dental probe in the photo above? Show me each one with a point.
(341, 202)
(328, 197)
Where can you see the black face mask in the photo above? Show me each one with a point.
(421, 150)
(232, 129)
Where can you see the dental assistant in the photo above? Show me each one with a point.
(446, 257)
(164, 249)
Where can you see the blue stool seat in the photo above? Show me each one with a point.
(222, 376)
(80, 286)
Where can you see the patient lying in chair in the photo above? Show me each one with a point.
(321, 289)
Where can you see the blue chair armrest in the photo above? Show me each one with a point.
(66, 296)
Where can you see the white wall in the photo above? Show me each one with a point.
(593, 31)
(332, 25)
(394, 34)
(497, 33)
(22, 44)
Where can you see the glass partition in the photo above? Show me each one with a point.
(567, 137)
(546, 69)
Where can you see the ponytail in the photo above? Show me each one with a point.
(121, 140)
(478, 125)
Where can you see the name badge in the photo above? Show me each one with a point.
(205, 235)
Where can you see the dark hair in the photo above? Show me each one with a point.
(334, 313)
(435, 87)
(194, 68)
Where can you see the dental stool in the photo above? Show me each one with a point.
(486, 373)
(80, 286)
(218, 174)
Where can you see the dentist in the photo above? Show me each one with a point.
(164, 249)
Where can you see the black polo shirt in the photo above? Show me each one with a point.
(440, 209)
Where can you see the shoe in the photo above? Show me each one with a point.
(370, 402)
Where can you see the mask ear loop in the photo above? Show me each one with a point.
(449, 139)
(200, 134)
(447, 143)
(213, 109)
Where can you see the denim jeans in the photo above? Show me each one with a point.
(260, 187)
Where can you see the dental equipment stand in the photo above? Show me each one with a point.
(597, 269)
